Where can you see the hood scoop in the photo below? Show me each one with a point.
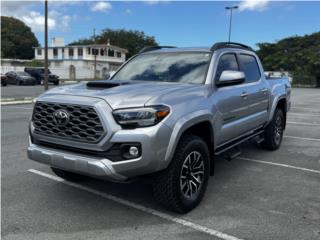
(105, 84)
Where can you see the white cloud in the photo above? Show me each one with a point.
(253, 5)
(34, 19)
(154, 2)
(101, 7)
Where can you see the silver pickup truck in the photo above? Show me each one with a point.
(165, 114)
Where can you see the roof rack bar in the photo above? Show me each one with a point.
(151, 48)
(220, 45)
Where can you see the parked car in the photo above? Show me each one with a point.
(20, 78)
(4, 80)
(38, 74)
(165, 114)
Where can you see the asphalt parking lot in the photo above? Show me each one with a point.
(261, 195)
(20, 92)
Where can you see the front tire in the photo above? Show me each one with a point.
(69, 176)
(181, 186)
(274, 131)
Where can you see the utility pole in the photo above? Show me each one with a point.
(95, 55)
(230, 23)
(46, 45)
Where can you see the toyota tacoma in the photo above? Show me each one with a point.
(164, 114)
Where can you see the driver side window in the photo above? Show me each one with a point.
(226, 62)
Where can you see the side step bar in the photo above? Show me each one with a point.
(232, 144)
(232, 153)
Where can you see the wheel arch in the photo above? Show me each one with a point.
(281, 103)
(199, 124)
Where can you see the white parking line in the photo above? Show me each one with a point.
(302, 138)
(16, 107)
(151, 211)
(280, 165)
(304, 114)
(303, 108)
(306, 124)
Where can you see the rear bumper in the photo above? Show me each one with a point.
(99, 168)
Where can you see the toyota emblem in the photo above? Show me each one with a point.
(61, 117)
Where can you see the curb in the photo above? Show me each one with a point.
(11, 101)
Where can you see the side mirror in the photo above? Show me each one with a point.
(109, 75)
(230, 77)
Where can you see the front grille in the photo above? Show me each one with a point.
(82, 124)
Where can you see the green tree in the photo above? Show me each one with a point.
(17, 39)
(299, 55)
(131, 40)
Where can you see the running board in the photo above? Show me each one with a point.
(235, 143)
(232, 153)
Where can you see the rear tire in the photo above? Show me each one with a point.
(274, 131)
(181, 186)
(69, 176)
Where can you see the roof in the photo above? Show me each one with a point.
(182, 49)
(89, 45)
(216, 46)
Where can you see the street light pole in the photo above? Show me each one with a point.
(95, 54)
(230, 23)
(46, 45)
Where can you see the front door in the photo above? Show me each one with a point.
(230, 102)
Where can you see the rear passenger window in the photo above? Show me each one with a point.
(227, 62)
(250, 67)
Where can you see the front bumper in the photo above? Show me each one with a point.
(99, 168)
(153, 142)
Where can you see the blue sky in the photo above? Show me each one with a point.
(172, 22)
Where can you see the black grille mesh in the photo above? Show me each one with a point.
(84, 123)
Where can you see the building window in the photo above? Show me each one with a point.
(110, 53)
(101, 52)
(55, 53)
(95, 51)
(39, 52)
(71, 52)
(118, 54)
(80, 52)
(89, 51)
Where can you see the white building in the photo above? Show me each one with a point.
(77, 62)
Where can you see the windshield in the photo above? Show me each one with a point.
(23, 74)
(189, 67)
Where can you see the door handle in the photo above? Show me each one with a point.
(244, 94)
(264, 90)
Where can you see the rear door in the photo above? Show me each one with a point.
(257, 91)
(11, 77)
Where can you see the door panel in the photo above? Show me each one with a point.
(233, 109)
(258, 91)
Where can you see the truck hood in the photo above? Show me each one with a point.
(123, 94)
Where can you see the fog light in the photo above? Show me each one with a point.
(134, 151)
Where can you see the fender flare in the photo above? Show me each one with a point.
(274, 106)
(181, 126)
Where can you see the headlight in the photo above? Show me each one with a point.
(141, 117)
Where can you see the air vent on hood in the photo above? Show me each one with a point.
(105, 84)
